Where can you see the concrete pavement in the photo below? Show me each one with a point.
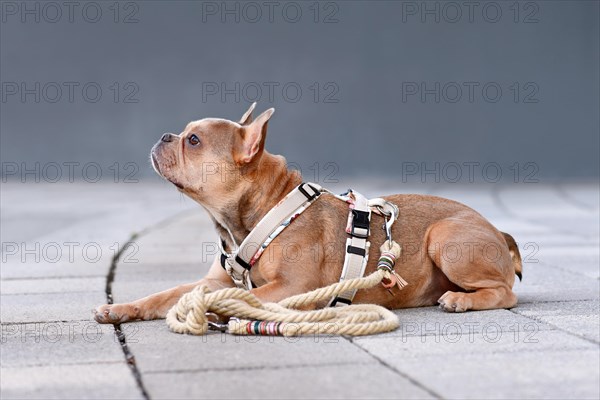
(59, 243)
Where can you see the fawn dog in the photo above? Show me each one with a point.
(476, 272)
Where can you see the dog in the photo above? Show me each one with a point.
(452, 255)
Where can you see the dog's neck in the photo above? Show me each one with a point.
(270, 182)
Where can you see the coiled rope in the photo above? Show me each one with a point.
(252, 317)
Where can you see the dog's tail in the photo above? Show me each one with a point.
(514, 254)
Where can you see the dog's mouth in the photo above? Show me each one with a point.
(154, 162)
(180, 187)
(156, 167)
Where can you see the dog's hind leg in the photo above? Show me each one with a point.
(480, 299)
(474, 256)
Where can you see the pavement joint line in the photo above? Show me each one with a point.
(258, 367)
(395, 370)
(537, 319)
(129, 357)
(495, 194)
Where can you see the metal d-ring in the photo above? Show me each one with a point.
(215, 326)
(387, 227)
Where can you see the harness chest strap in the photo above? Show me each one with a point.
(239, 263)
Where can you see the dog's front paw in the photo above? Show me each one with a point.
(454, 302)
(114, 313)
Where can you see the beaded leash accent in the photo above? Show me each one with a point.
(264, 328)
(390, 251)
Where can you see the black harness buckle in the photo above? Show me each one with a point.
(360, 220)
(310, 196)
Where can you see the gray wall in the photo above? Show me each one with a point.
(367, 58)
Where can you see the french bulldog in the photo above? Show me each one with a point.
(452, 255)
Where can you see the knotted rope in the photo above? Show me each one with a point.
(283, 318)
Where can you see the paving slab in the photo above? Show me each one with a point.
(543, 282)
(495, 364)
(97, 381)
(144, 254)
(582, 259)
(490, 340)
(157, 349)
(53, 285)
(56, 343)
(347, 381)
(553, 374)
(133, 281)
(143, 272)
(126, 291)
(33, 270)
(581, 318)
(433, 322)
(18, 308)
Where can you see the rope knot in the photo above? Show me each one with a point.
(189, 314)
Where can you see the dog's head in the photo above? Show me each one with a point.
(211, 157)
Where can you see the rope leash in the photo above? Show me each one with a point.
(252, 317)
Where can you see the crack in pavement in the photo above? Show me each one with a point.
(129, 357)
(119, 333)
(395, 370)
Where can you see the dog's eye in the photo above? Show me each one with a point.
(193, 140)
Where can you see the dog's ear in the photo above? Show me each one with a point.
(253, 138)
(247, 117)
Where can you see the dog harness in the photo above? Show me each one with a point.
(239, 262)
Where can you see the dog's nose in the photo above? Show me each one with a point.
(167, 137)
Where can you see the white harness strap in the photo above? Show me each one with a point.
(239, 263)
(357, 247)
